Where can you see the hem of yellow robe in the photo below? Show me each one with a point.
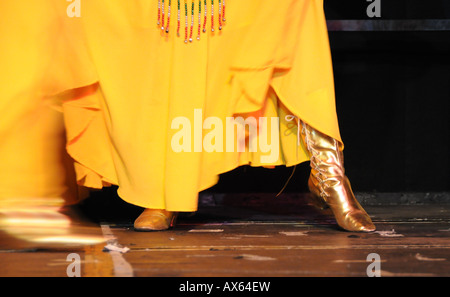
(83, 114)
(318, 97)
(92, 175)
(87, 129)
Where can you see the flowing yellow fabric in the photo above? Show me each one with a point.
(35, 168)
(133, 94)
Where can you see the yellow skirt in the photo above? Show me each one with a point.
(150, 113)
(35, 42)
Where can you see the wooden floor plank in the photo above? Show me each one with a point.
(245, 245)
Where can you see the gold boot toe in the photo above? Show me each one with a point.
(329, 185)
(155, 220)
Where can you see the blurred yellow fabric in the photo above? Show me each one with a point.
(35, 53)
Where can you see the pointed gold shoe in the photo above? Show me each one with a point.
(328, 183)
(155, 220)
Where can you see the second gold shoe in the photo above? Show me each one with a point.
(155, 220)
(329, 184)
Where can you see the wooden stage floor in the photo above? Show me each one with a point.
(255, 236)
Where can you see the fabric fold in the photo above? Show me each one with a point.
(86, 128)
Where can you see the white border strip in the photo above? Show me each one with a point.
(121, 267)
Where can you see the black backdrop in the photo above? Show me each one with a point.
(393, 93)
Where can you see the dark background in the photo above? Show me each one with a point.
(393, 93)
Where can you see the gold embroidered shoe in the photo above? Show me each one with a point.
(155, 220)
(328, 183)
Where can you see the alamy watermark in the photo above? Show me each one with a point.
(374, 268)
(232, 134)
(374, 9)
(74, 268)
(74, 8)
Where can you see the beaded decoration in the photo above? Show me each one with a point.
(189, 17)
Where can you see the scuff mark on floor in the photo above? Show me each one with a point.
(391, 233)
(254, 257)
(358, 261)
(423, 258)
(205, 230)
(385, 273)
(294, 233)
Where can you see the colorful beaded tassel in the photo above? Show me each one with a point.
(189, 17)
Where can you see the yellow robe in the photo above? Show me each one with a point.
(271, 60)
(35, 168)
